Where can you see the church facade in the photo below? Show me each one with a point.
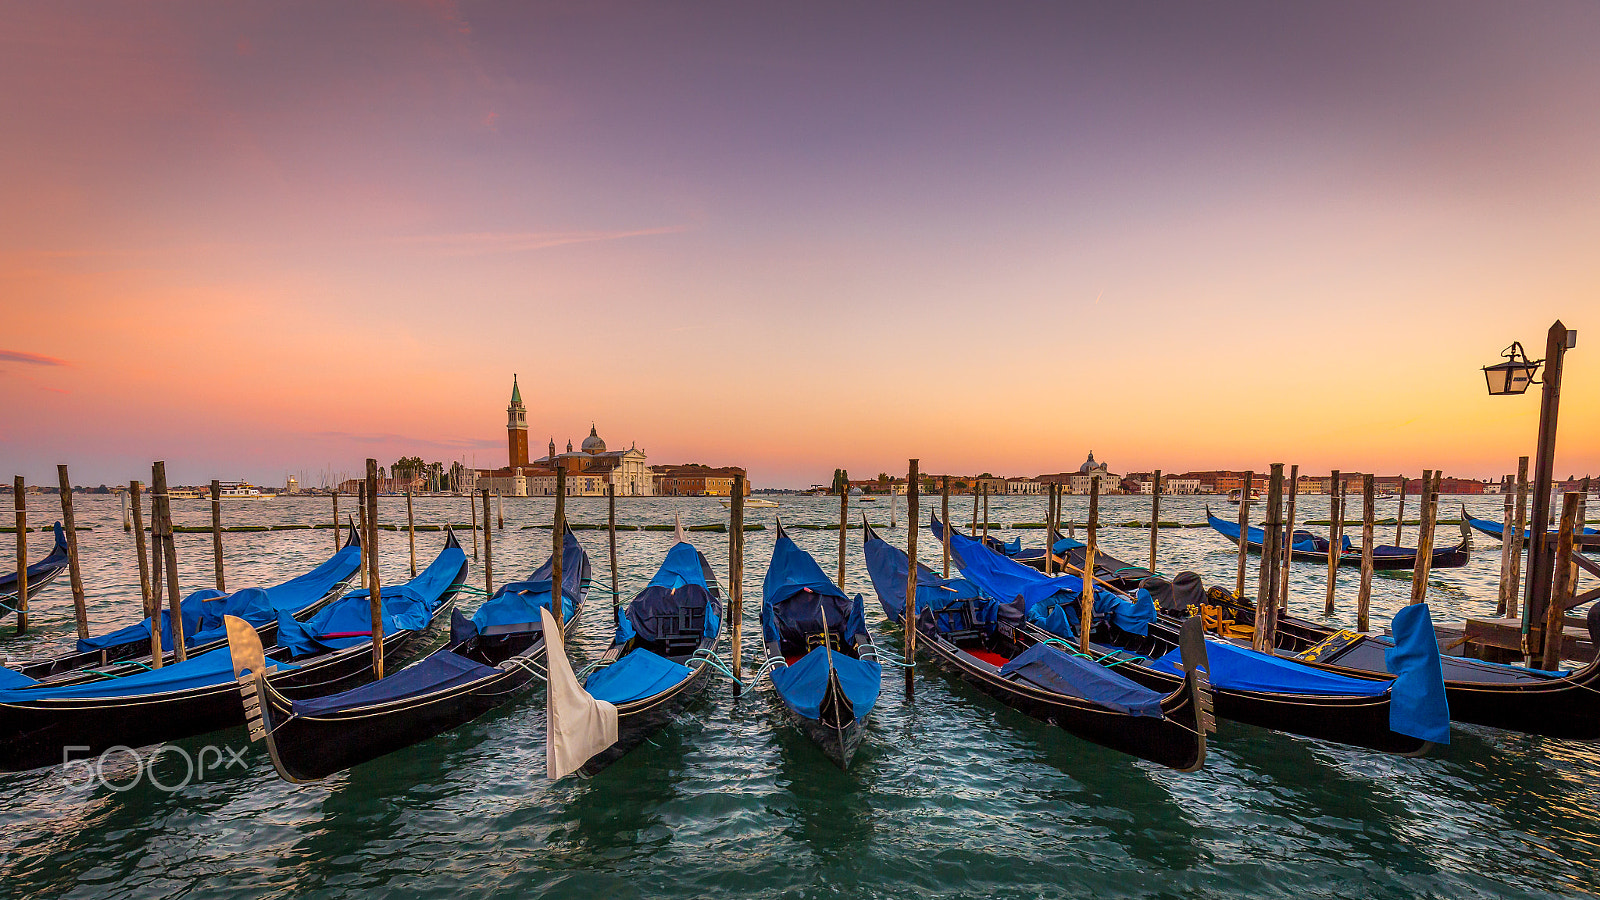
(588, 470)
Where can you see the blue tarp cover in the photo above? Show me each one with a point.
(1418, 707)
(203, 610)
(1240, 669)
(440, 671)
(678, 585)
(638, 674)
(1002, 578)
(1062, 618)
(211, 668)
(406, 607)
(887, 565)
(518, 603)
(798, 599)
(1066, 544)
(1063, 673)
(804, 684)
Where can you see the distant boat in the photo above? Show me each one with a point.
(749, 503)
(1235, 497)
(239, 490)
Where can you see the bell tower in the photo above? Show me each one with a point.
(517, 427)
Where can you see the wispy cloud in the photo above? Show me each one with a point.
(476, 243)
(32, 359)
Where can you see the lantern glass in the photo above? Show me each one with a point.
(1511, 377)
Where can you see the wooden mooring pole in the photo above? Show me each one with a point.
(369, 555)
(361, 525)
(944, 517)
(558, 601)
(411, 531)
(1281, 605)
(1086, 602)
(149, 608)
(844, 527)
(1400, 517)
(19, 493)
(1267, 580)
(79, 611)
(1430, 504)
(986, 513)
(1335, 538)
(488, 549)
(1518, 535)
(611, 541)
(1508, 522)
(912, 517)
(1562, 584)
(499, 512)
(736, 573)
(127, 524)
(473, 507)
(1244, 533)
(216, 534)
(1155, 517)
(1369, 512)
(1049, 528)
(162, 503)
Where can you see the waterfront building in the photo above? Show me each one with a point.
(588, 470)
(696, 480)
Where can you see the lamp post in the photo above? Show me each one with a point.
(1513, 377)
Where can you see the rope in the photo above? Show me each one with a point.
(710, 658)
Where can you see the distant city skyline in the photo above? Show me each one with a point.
(259, 240)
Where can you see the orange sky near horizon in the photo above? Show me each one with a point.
(231, 240)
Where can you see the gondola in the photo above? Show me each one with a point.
(42, 725)
(1497, 530)
(984, 642)
(820, 656)
(1535, 701)
(1311, 548)
(127, 650)
(662, 653)
(489, 659)
(1403, 714)
(40, 573)
(1070, 555)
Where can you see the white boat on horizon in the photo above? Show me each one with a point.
(749, 503)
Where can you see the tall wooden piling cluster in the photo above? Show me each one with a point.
(912, 517)
(19, 493)
(1244, 533)
(1155, 516)
(488, 548)
(161, 503)
(1267, 582)
(1369, 509)
(1429, 515)
(1086, 602)
(79, 611)
(369, 559)
(150, 609)
(216, 533)
(558, 603)
(735, 570)
(1335, 537)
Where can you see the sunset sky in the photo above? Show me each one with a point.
(255, 240)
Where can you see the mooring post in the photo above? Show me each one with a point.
(488, 549)
(1155, 517)
(1281, 605)
(473, 507)
(1419, 573)
(1335, 538)
(1267, 581)
(1561, 586)
(336, 546)
(1369, 513)
(369, 554)
(216, 533)
(1086, 602)
(558, 594)
(944, 517)
(986, 513)
(1508, 522)
(912, 518)
(1400, 517)
(364, 531)
(150, 607)
(411, 531)
(169, 553)
(127, 524)
(79, 611)
(1049, 527)
(1244, 535)
(611, 539)
(19, 488)
(1518, 540)
(844, 525)
(736, 572)
(499, 512)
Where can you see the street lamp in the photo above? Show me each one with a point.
(1515, 374)
(1513, 377)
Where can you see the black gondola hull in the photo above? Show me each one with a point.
(637, 721)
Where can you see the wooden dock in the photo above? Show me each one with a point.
(1500, 640)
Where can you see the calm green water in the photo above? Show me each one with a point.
(951, 796)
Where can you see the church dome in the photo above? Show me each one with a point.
(592, 443)
(1089, 465)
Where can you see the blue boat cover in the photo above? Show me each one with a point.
(638, 674)
(1062, 673)
(211, 668)
(441, 671)
(53, 561)
(799, 599)
(203, 610)
(518, 603)
(1001, 578)
(887, 565)
(1132, 617)
(406, 607)
(676, 593)
(804, 684)
(1066, 544)
(1236, 668)
(1418, 707)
